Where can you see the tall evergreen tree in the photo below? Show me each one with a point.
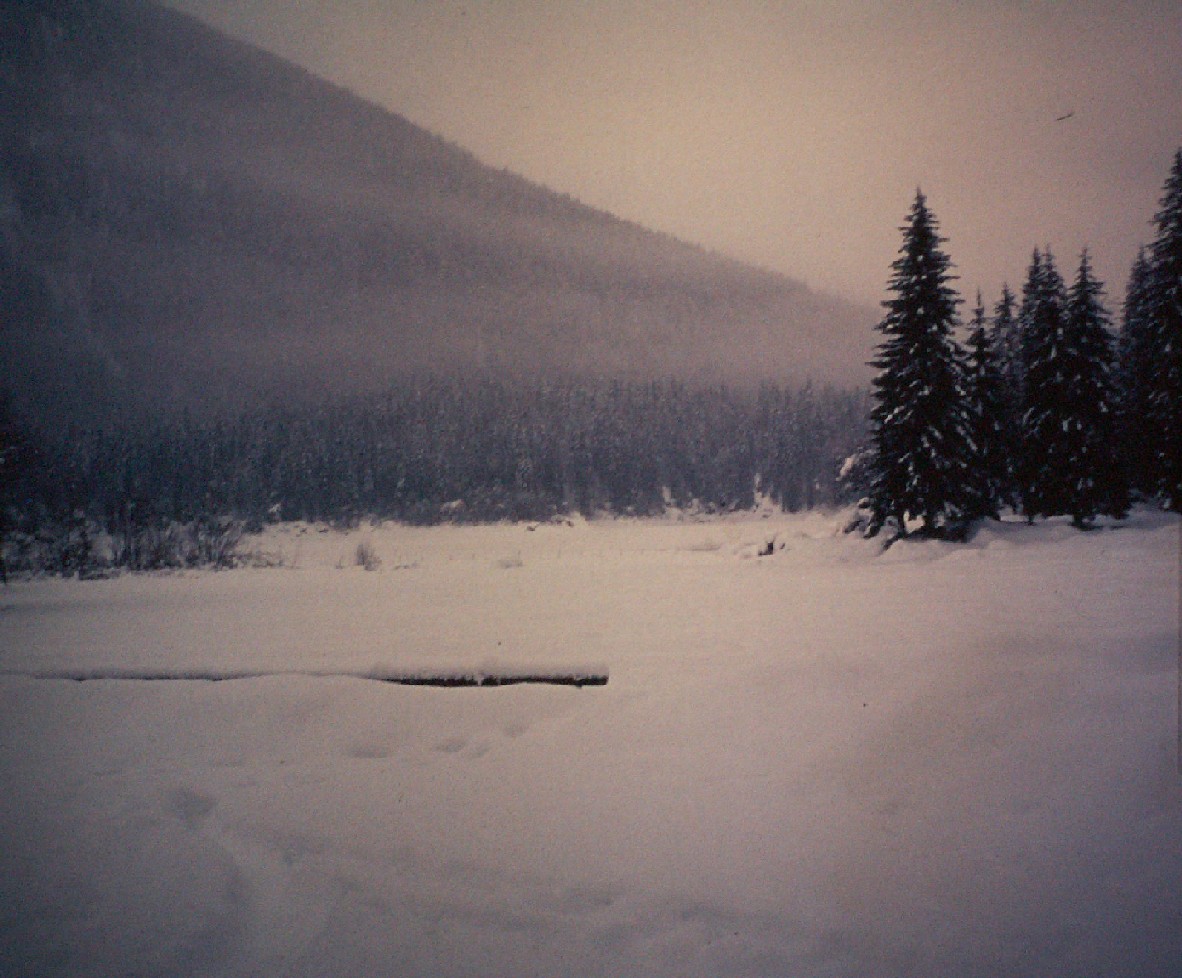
(921, 431)
(986, 410)
(1005, 340)
(1135, 376)
(1100, 480)
(1070, 421)
(1041, 322)
(1163, 427)
(1032, 299)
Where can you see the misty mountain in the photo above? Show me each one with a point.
(189, 222)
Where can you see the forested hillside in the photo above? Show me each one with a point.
(189, 222)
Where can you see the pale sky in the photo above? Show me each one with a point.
(791, 134)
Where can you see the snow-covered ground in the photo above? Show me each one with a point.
(938, 760)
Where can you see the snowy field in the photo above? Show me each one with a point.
(935, 761)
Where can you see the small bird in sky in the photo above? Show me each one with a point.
(1063, 117)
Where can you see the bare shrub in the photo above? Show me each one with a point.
(366, 556)
(214, 542)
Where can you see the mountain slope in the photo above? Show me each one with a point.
(187, 221)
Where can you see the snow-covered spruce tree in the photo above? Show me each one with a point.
(1040, 324)
(987, 415)
(1005, 338)
(1033, 299)
(1069, 423)
(922, 437)
(1135, 376)
(1100, 476)
(1005, 341)
(1163, 414)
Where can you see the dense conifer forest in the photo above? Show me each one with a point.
(180, 492)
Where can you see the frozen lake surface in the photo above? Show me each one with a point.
(935, 760)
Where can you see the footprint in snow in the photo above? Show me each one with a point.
(190, 806)
(367, 752)
(456, 745)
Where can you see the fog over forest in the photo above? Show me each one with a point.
(190, 223)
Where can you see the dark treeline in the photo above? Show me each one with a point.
(169, 493)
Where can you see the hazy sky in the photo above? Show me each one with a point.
(792, 133)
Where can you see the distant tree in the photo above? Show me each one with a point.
(1163, 428)
(1069, 424)
(1135, 377)
(987, 415)
(921, 428)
